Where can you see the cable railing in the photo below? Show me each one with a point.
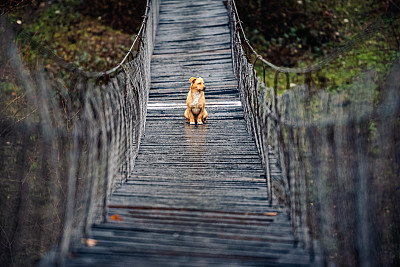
(68, 145)
(338, 152)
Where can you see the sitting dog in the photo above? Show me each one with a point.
(196, 102)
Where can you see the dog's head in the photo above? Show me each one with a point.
(197, 84)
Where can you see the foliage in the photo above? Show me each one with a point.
(123, 15)
(299, 33)
(66, 29)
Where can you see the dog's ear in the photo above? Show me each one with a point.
(192, 79)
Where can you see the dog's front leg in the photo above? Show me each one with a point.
(186, 114)
(190, 115)
(205, 115)
(201, 115)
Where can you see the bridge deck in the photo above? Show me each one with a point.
(198, 195)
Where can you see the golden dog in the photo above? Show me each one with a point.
(196, 102)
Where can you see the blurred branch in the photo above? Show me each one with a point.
(9, 5)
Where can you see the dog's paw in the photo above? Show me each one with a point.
(199, 122)
(192, 123)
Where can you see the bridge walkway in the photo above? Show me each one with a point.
(198, 195)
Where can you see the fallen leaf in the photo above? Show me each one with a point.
(116, 217)
(270, 213)
(89, 241)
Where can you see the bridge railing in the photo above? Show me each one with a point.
(68, 148)
(338, 153)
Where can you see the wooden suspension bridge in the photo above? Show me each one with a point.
(198, 194)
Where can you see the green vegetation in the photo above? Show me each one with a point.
(300, 33)
(69, 28)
